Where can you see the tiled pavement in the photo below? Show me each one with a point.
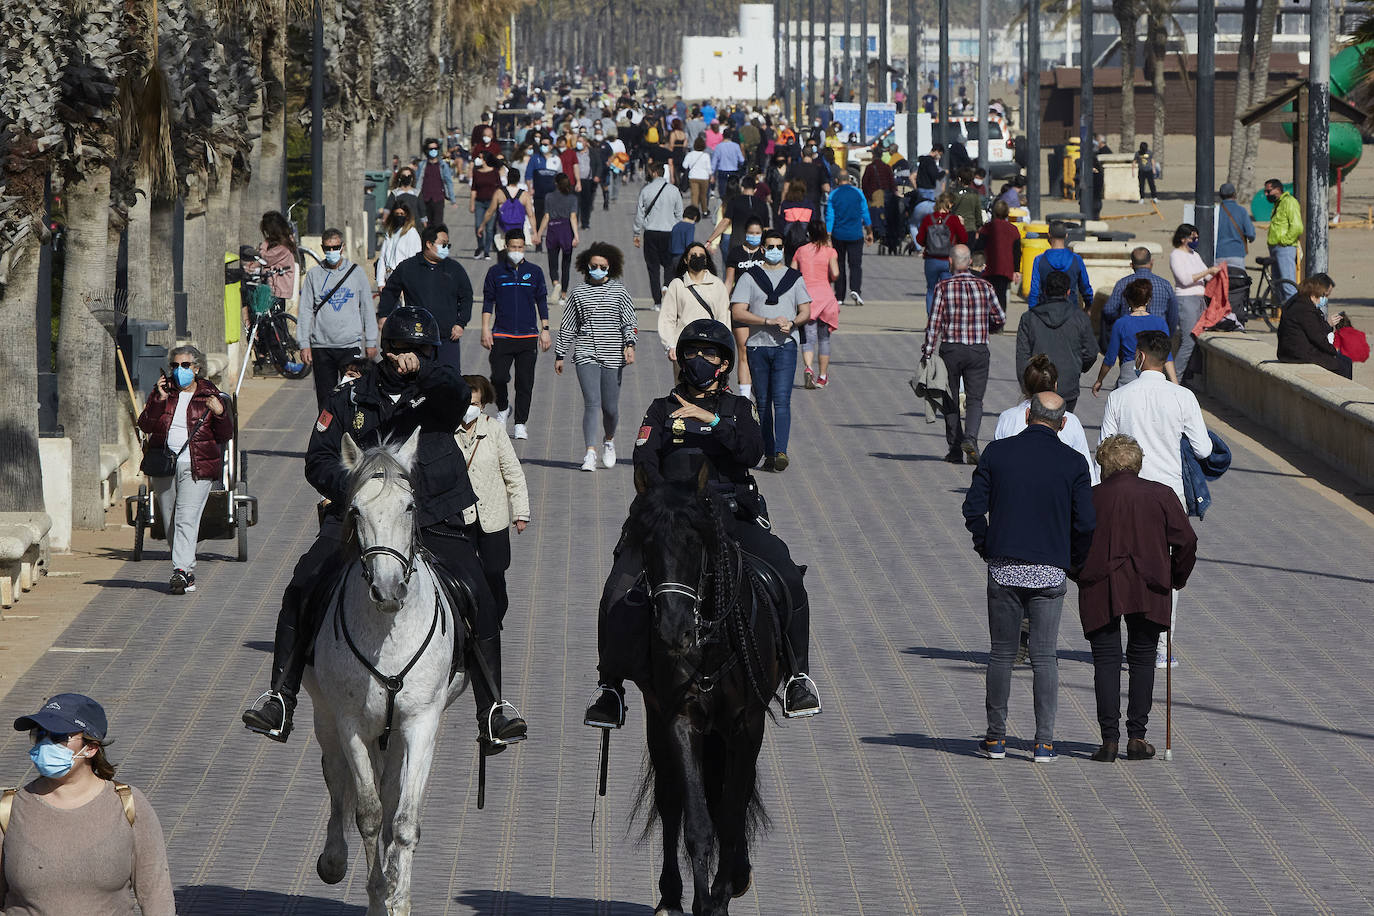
(878, 806)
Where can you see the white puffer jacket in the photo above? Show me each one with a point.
(496, 475)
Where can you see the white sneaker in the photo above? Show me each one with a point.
(501, 416)
(1164, 661)
(521, 432)
(855, 298)
(589, 460)
(608, 455)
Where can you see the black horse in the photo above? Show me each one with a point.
(713, 672)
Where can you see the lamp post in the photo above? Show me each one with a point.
(942, 134)
(1205, 133)
(1086, 154)
(1318, 138)
(980, 108)
(1031, 113)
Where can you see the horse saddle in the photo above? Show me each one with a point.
(772, 585)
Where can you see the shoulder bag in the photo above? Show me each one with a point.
(319, 303)
(1245, 243)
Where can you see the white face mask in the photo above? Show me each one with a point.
(516, 256)
(471, 416)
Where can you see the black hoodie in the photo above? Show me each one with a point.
(1062, 331)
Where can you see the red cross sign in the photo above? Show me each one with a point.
(740, 73)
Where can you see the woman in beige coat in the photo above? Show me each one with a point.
(696, 292)
(503, 500)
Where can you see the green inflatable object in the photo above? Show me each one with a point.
(1347, 145)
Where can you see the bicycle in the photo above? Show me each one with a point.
(271, 330)
(1267, 303)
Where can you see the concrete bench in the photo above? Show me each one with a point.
(1322, 412)
(23, 552)
(113, 456)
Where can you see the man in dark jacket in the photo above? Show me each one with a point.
(1060, 329)
(929, 173)
(1029, 509)
(434, 282)
(1142, 548)
(515, 327)
(410, 391)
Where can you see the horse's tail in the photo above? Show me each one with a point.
(646, 801)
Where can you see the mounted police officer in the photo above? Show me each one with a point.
(701, 419)
(407, 390)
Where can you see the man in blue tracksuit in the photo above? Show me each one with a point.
(1059, 257)
(515, 326)
(850, 228)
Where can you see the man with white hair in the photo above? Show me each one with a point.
(966, 309)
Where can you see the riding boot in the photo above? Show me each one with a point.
(800, 697)
(498, 722)
(608, 706)
(272, 716)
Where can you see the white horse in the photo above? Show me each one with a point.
(381, 678)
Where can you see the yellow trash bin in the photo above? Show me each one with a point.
(1030, 250)
(233, 303)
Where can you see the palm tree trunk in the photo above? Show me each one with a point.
(265, 188)
(1126, 16)
(220, 231)
(82, 341)
(141, 303)
(1259, 89)
(18, 375)
(204, 310)
(1157, 27)
(246, 221)
(162, 272)
(1245, 61)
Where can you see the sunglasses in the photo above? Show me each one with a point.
(774, 247)
(710, 354)
(40, 734)
(332, 247)
(184, 364)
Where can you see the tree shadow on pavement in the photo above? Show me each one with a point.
(489, 903)
(981, 658)
(156, 585)
(959, 747)
(218, 900)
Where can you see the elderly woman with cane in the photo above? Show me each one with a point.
(1142, 548)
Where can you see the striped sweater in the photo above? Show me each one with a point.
(598, 324)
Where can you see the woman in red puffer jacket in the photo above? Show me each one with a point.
(189, 416)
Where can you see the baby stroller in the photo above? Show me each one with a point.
(1238, 286)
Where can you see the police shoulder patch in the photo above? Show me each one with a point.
(643, 437)
(323, 421)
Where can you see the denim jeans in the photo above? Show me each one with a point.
(773, 369)
(1190, 309)
(1286, 266)
(1007, 605)
(486, 242)
(936, 270)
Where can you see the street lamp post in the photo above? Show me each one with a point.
(1031, 113)
(1087, 157)
(1205, 133)
(942, 135)
(1318, 138)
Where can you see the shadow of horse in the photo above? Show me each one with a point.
(219, 900)
(490, 903)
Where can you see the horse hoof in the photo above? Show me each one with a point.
(748, 885)
(665, 911)
(331, 871)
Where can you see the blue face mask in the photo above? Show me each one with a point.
(434, 154)
(597, 273)
(183, 377)
(442, 251)
(544, 148)
(52, 760)
(1192, 243)
(773, 255)
(333, 257)
(1321, 303)
(753, 239)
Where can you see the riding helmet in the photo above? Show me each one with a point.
(411, 325)
(709, 331)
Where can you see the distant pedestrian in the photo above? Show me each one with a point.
(1145, 170)
(1285, 230)
(771, 301)
(1143, 543)
(337, 321)
(1000, 243)
(1121, 346)
(1029, 509)
(820, 266)
(657, 212)
(598, 331)
(435, 180)
(966, 310)
(76, 840)
(1061, 329)
(968, 203)
(737, 212)
(559, 230)
(433, 281)
(1159, 415)
(1235, 229)
(515, 327)
(1060, 257)
(485, 180)
(937, 236)
(1163, 303)
(1191, 274)
(727, 159)
(850, 228)
(929, 175)
(402, 241)
(697, 166)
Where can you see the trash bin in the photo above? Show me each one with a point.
(233, 298)
(1030, 250)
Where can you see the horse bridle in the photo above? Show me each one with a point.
(408, 561)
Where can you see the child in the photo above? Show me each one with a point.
(685, 232)
(1124, 331)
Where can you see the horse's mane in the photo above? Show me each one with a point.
(378, 461)
(676, 516)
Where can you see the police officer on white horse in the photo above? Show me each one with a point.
(701, 419)
(406, 391)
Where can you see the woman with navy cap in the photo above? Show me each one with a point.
(74, 840)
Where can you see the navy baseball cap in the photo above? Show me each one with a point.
(65, 714)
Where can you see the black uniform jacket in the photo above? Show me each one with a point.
(666, 448)
(434, 401)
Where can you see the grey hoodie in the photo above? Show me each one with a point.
(1063, 332)
(348, 319)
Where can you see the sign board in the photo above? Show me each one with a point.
(881, 116)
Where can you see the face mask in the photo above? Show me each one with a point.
(696, 262)
(581, 146)
(183, 377)
(753, 239)
(333, 257)
(1321, 303)
(597, 273)
(442, 251)
(433, 154)
(487, 138)
(471, 416)
(516, 256)
(1193, 243)
(699, 373)
(601, 136)
(52, 760)
(773, 255)
(544, 148)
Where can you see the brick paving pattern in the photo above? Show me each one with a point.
(1266, 807)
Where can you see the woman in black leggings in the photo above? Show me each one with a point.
(558, 229)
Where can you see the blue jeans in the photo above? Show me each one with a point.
(486, 242)
(773, 369)
(1007, 605)
(936, 270)
(1286, 266)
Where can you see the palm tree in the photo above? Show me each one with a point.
(1259, 88)
(1158, 17)
(1245, 60)
(1127, 13)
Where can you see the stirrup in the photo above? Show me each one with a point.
(800, 714)
(276, 734)
(620, 706)
(490, 737)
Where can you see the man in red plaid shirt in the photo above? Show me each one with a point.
(966, 309)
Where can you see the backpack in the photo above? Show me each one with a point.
(511, 214)
(794, 235)
(939, 238)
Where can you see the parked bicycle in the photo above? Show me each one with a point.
(1269, 297)
(271, 329)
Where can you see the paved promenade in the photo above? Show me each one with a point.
(879, 806)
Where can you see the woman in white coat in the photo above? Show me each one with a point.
(503, 499)
(695, 292)
(402, 241)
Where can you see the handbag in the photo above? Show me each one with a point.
(162, 461)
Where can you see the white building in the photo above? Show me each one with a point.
(726, 67)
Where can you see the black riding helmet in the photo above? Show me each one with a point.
(411, 325)
(710, 332)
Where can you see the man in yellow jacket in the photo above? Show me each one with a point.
(1285, 228)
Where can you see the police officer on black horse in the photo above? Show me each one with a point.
(701, 419)
(407, 390)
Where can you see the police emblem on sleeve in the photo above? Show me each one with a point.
(754, 408)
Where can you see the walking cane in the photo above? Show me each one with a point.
(1168, 694)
